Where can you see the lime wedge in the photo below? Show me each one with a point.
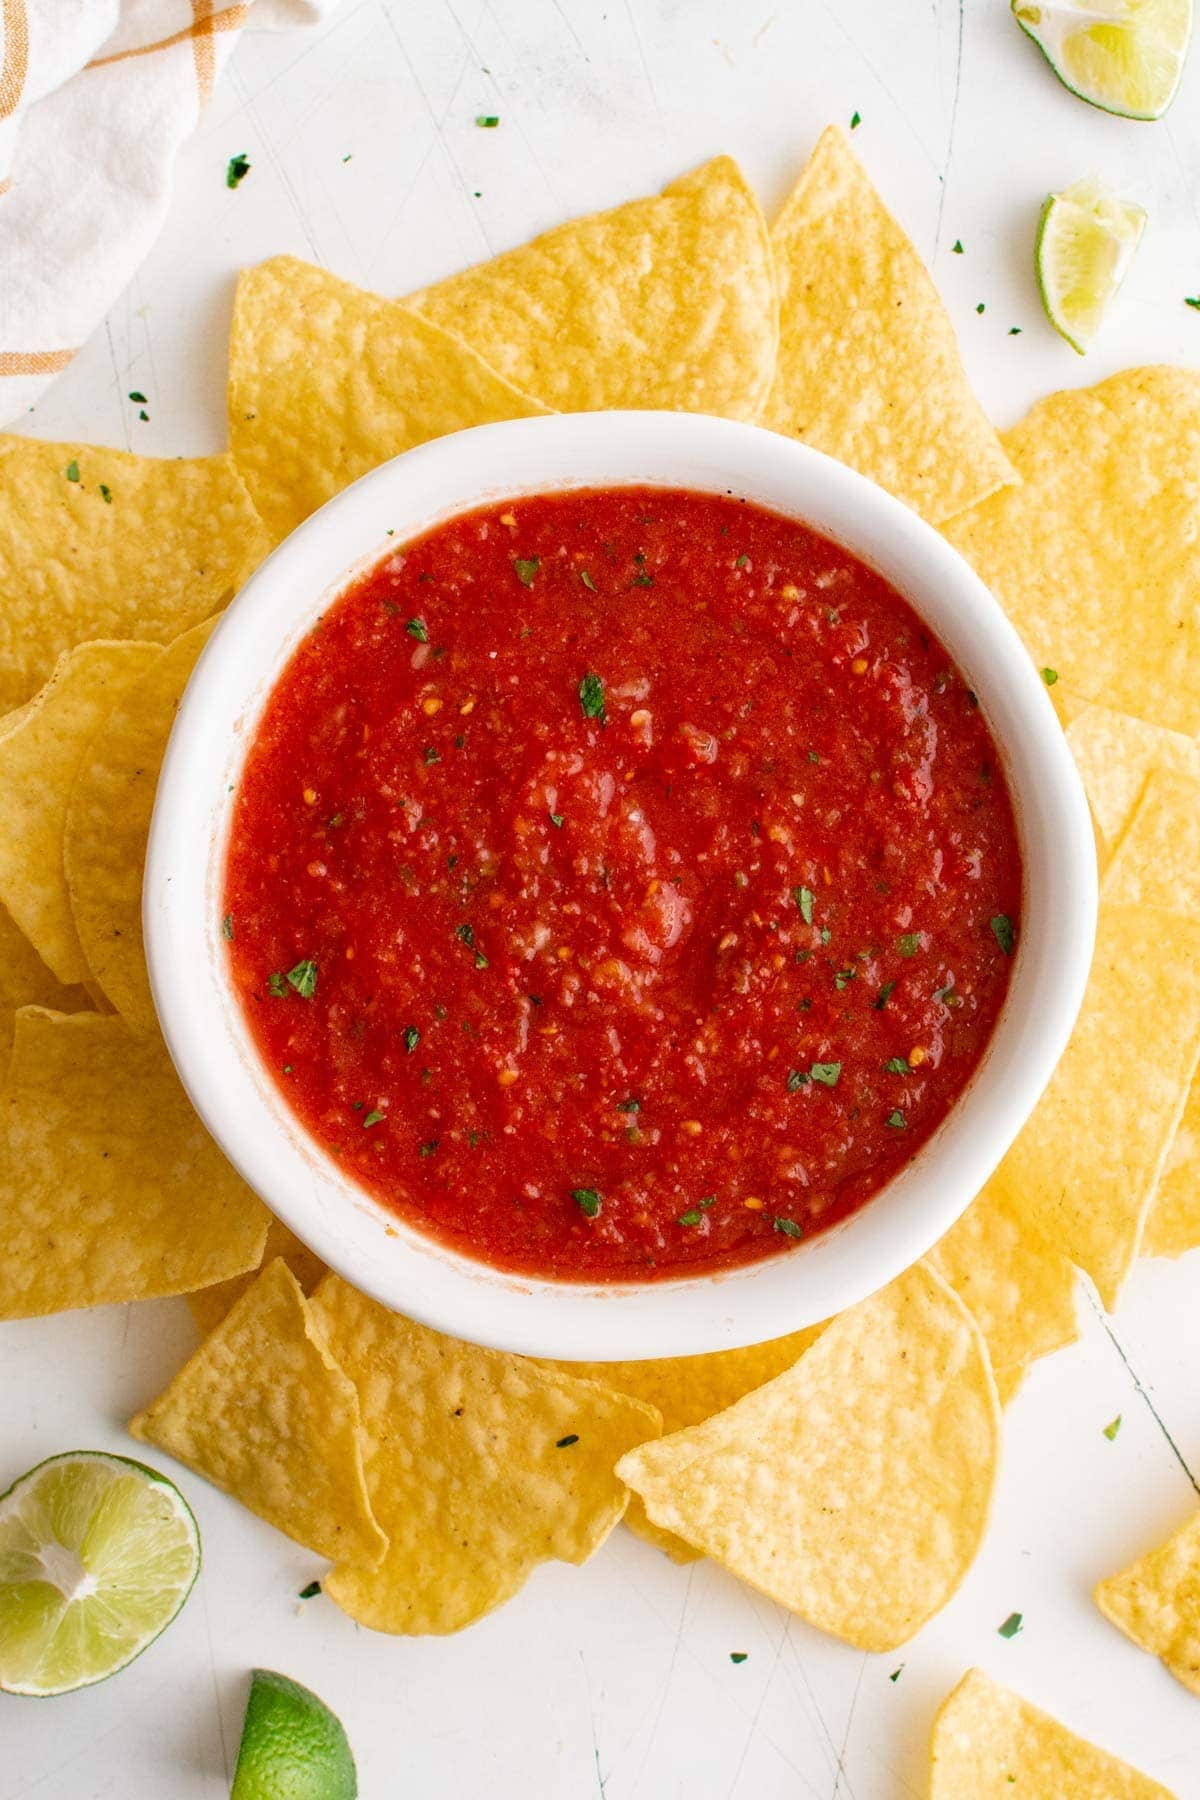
(293, 1747)
(1123, 55)
(97, 1555)
(1085, 244)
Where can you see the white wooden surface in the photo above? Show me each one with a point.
(616, 1680)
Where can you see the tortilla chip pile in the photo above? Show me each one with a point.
(846, 1471)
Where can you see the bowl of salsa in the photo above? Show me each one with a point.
(617, 885)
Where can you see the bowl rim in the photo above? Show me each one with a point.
(202, 1020)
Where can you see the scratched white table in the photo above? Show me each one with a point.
(616, 1680)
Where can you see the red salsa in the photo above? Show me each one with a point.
(621, 883)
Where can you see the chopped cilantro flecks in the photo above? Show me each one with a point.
(1004, 932)
(72, 470)
(526, 568)
(909, 943)
(303, 978)
(692, 1217)
(412, 1038)
(227, 928)
(738, 1656)
(144, 416)
(138, 399)
(373, 1118)
(429, 1149)
(826, 1073)
(855, 120)
(487, 121)
(1049, 676)
(629, 1106)
(467, 935)
(1192, 300)
(788, 1227)
(796, 1080)
(587, 581)
(591, 699)
(564, 1443)
(556, 819)
(417, 628)
(843, 977)
(588, 1201)
(897, 1065)
(1112, 1428)
(1014, 331)
(276, 985)
(956, 246)
(805, 899)
(236, 170)
(897, 1120)
(896, 1673)
(884, 995)
(310, 1592)
(106, 493)
(742, 562)
(431, 756)
(1011, 1625)
(980, 308)
(643, 580)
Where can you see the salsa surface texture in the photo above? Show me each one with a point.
(621, 883)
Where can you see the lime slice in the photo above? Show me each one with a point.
(293, 1747)
(1123, 55)
(1085, 244)
(97, 1555)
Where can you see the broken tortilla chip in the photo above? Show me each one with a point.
(1095, 556)
(108, 823)
(263, 1412)
(96, 543)
(819, 1488)
(1019, 1289)
(209, 1305)
(1088, 1190)
(989, 1744)
(327, 381)
(1156, 1602)
(664, 302)
(479, 1466)
(110, 1187)
(39, 758)
(1115, 754)
(868, 367)
(1173, 1226)
(1157, 862)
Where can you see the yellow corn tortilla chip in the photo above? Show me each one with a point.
(665, 302)
(108, 823)
(1085, 1168)
(686, 1390)
(263, 1411)
(1115, 755)
(210, 1305)
(327, 381)
(989, 1744)
(479, 1466)
(167, 548)
(24, 978)
(1158, 859)
(854, 1489)
(39, 758)
(869, 370)
(1095, 556)
(110, 1187)
(1019, 1289)
(1173, 1226)
(1156, 1602)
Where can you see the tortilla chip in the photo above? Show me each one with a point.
(1019, 1289)
(167, 547)
(327, 381)
(110, 1187)
(687, 1390)
(1096, 556)
(869, 369)
(210, 1305)
(24, 978)
(854, 1489)
(108, 823)
(1115, 755)
(1173, 1226)
(479, 1466)
(1156, 1602)
(263, 1412)
(989, 1744)
(1158, 859)
(39, 757)
(666, 302)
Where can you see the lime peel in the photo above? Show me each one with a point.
(1124, 56)
(293, 1747)
(1086, 241)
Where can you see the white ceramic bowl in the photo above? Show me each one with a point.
(202, 1018)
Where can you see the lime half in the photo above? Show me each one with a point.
(97, 1555)
(1123, 55)
(293, 1747)
(1085, 244)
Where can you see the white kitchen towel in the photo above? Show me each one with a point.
(96, 97)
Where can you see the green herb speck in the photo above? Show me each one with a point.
(591, 699)
(1011, 1625)
(526, 568)
(1112, 1428)
(236, 171)
(417, 628)
(588, 1201)
(1004, 932)
(788, 1227)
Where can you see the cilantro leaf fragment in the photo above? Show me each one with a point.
(1192, 300)
(106, 493)
(909, 943)
(564, 1443)
(591, 699)
(588, 1201)
(738, 1656)
(526, 568)
(556, 819)
(277, 986)
(1049, 676)
(897, 1065)
(1011, 1625)
(1004, 932)
(805, 899)
(138, 399)
(417, 628)
(412, 1038)
(303, 978)
(897, 1120)
(429, 1149)
(693, 1216)
(884, 995)
(855, 120)
(236, 171)
(72, 470)
(373, 1118)
(587, 581)
(896, 1673)
(788, 1227)
(796, 1080)
(1112, 1428)
(310, 1592)
(826, 1073)
(487, 121)
(956, 247)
